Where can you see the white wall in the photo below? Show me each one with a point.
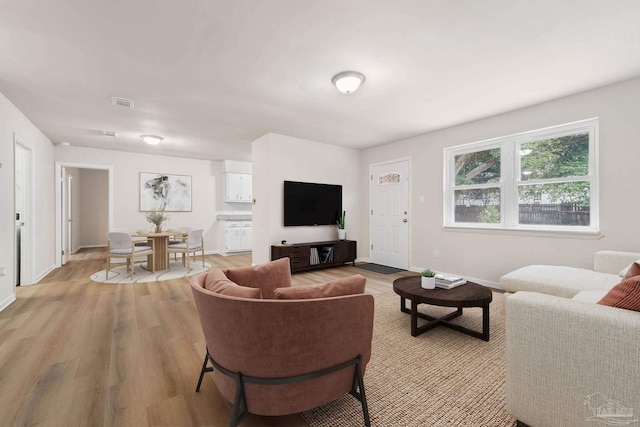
(489, 255)
(13, 121)
(277, 158)
(127, 166)
(92, 193)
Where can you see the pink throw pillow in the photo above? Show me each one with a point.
(347, 286)
(215, 281)
(266, 277)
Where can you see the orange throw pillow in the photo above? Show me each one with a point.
(625, 294)
(346, 286)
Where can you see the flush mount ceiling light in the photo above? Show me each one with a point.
(152, 139)
(348, 81)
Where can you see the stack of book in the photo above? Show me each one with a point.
(447, 282)
(326, 255)
(321, 255)
(314, 257)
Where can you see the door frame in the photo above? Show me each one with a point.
(58, 197)
(27, 261)
(409, 209)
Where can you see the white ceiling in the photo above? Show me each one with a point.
(211, 76)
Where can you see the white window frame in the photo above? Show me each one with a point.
(510, 178)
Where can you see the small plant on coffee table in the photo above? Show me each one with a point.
(428, 273)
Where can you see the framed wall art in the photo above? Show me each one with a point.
(165, 192)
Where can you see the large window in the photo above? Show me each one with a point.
(539, 180)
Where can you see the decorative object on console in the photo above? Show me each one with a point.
(156, 218)
(427, 281)
(342, 233)
(165, 192)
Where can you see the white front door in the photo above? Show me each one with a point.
(389, 209)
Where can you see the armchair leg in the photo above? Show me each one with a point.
(358, 391)
(204, 369)
(240, 403)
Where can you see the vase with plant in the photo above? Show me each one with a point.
(342, 233)
(428, 279)
(157, 218)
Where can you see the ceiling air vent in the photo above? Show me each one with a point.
(123, 102)
(110, 133)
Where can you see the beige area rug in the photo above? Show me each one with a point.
(119, 273)
(440, 378)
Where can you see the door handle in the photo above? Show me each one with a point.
(405, 220)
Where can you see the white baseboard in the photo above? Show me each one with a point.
(7, 301)
(42, 275)
(88, 247)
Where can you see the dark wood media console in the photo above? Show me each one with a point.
(309, 256)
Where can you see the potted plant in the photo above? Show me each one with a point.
(342, 233)
(428, 280)
(156, 218)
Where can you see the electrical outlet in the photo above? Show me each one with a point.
(436, 253)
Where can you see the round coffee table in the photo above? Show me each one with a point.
(468, 295)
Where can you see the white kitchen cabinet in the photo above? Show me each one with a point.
(238, 188)
(238, 236)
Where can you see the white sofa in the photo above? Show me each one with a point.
(569, 361)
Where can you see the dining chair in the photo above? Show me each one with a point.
(120, 245)
(193, 244)
(138, 241)
(179, 238)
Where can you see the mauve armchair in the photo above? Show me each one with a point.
(282, 356)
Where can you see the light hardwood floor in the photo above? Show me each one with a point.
(79, 353)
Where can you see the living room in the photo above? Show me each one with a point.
(482, 255)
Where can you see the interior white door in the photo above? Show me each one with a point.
(64, 224)
(68, 248)
(23, 194)
(389, 189)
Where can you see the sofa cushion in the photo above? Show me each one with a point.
(632, 270)
(625, 294)
(215, 281)
(346, 286)
(590, 296)
(266, 277)
(557, 280)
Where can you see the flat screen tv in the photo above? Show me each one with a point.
(306, 203)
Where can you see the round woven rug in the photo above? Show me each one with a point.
(119, 274)
(440, 378)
